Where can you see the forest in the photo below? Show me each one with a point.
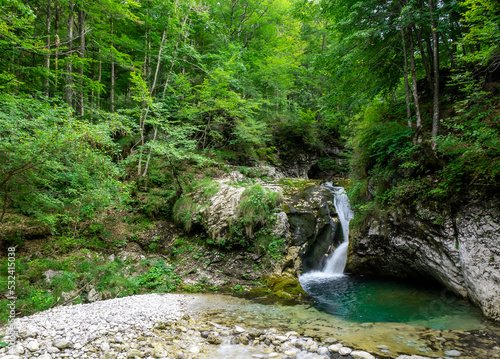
(120, 105)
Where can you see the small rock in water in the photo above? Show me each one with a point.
(205, 334)
(300, 344)
(194, 350)
(239, 330)
(345, 351)
(11, 357)
(213, 339)
(181, 355)
(334, 348)
(330, 340)
(359, 354)
(383, 347)
(244, 340)
(452, 353)
(290, 353)
(323, 351)
(45, 356)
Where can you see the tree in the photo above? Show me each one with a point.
(54, 168)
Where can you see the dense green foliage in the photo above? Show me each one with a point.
(54, 167)
(132, 107)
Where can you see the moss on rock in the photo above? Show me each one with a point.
(284, 285)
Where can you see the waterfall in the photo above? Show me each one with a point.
(335, 264)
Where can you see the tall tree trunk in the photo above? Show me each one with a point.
(81, 34)
(69, 81)
(112, 93)
(415, 88)
(99, 77)
(174, 55)
(418, 33)
(47, 55)
(405, 75)
(151, 91)
(58, 42)
(435, 68)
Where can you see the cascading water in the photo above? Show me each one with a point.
(360, 299)
(335, 264)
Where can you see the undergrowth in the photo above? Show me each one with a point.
(74, 276)
(390, 170)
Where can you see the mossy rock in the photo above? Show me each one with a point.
(292, 186)
(284, 285)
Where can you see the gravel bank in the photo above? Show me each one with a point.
(156, 326)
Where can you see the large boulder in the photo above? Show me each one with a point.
(314, 225)
(460, 249)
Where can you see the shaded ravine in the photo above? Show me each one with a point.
(359, 299)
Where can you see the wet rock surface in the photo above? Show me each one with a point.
(460, 249)
(314, 225)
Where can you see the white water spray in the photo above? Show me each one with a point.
(335, 264)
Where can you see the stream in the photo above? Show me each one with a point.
(480, 341)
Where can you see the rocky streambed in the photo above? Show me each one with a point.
(219, 326)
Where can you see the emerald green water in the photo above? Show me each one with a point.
(361, 300)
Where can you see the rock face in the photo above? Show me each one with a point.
(462, 252)
(314, 225)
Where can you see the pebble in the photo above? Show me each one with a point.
(345, 351)
(358, 354)
(239, 330)
(62, 344)
(323, 351)
(452, 353)
(334, 348)
(33, 346)
(16, 350)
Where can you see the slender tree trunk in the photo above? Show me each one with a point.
(418, 33)
(405, 75)
(58, 43)
(99, 78)
(69, 81)
(81, 28)
(112, 93)
(47, 56)
(415, 88)
(451, 51)
(435, 68)
(92, 98)
(174, 55)
(164, 35)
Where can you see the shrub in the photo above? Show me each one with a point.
(184, 210)
(255, 207)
